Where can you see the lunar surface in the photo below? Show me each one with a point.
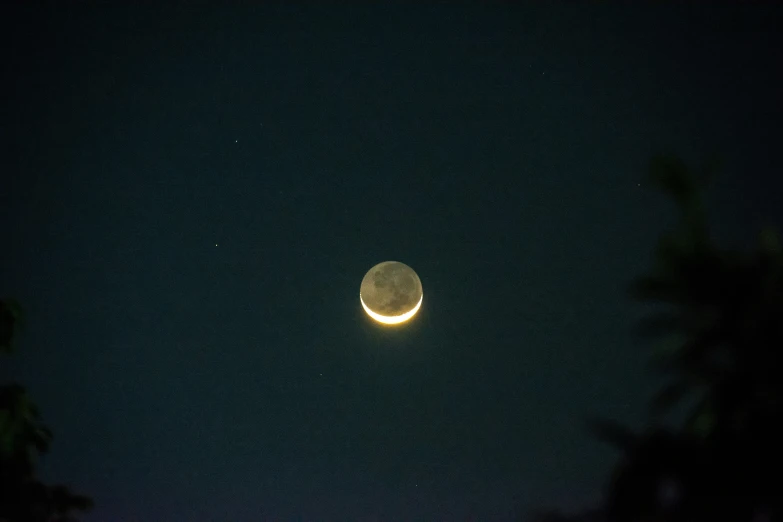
(391, 292)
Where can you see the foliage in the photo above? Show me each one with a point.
(23, 437)
(719, 334)
(725, 310)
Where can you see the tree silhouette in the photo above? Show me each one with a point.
(719, 333)
(23, 437)
(725, 318)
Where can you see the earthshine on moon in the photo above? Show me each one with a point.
(391, 292)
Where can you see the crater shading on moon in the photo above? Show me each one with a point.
(391, 292)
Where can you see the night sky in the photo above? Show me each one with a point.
(191, 197)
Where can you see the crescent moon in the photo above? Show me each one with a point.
(391, 292)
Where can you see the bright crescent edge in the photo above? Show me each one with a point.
(392, 319)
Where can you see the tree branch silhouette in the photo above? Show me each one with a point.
(718, 339)
(23, 438)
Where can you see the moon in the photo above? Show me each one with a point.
(391, 292)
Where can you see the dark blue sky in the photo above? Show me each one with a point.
(191, 197)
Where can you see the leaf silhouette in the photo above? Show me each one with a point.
(671, 395)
